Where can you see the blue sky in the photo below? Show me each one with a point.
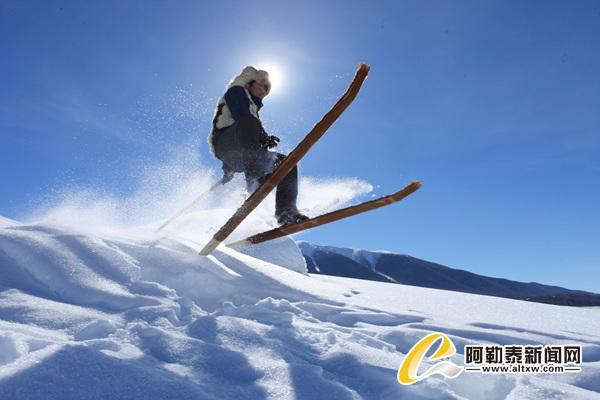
(492, 105)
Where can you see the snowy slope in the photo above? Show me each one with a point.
(129, 314)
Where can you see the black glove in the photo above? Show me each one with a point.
(269, 142)
(228, 174)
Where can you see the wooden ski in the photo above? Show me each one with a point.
(327, 218)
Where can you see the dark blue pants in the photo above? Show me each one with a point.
(238, 146)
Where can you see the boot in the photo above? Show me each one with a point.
(290, 217)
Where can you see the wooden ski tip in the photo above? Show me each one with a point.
(408, 189)
(210, 246)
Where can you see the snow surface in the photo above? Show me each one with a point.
(97, 314)
(4, 222)
(361, 256)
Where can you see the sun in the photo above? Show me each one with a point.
(275, 75)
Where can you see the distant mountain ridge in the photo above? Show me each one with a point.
(398, 268)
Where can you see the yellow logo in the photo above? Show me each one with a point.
(407, 373)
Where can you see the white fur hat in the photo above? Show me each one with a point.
(250, 74)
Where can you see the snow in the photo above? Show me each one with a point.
(365, 257)
(4, 222)
(91, 313)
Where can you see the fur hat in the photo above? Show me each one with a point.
(250, 74)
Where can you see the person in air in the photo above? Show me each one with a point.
(239, 140)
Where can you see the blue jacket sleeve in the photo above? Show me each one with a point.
(237, 101)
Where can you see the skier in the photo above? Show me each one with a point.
(240, 142)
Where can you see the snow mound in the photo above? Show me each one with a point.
(139, 315)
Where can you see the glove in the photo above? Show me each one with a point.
(227, 174)
(269, 142)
